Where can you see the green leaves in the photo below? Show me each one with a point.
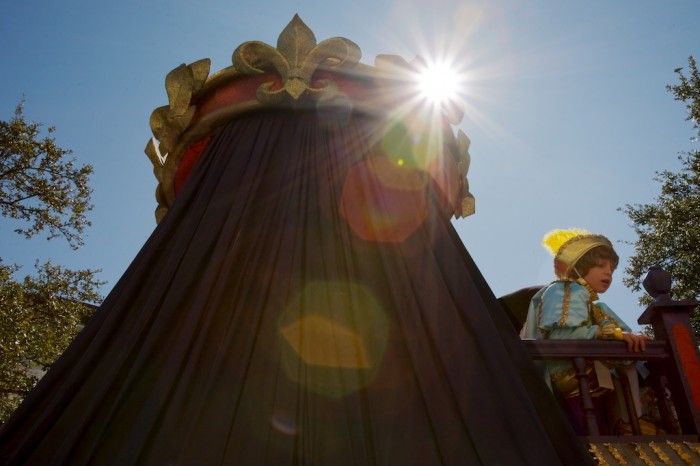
(39, 316)
(44, 189)
(688, 91)
(668, 230)
(40, 185)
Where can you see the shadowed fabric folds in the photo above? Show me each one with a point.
(296, 308)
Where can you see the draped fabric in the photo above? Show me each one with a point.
(302, 303)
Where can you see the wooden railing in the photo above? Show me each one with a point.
(672, 358)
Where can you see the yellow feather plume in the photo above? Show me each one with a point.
(554, 240)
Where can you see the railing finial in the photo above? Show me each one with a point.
(657, 283)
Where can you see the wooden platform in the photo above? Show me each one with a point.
(640, 451)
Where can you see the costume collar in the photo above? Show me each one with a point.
(594, 295)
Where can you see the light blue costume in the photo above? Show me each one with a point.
(567, 309)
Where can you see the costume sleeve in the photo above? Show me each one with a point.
(565, 313)
(609, 316)
(530, 328)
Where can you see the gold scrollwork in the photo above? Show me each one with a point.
(296, 59)
(170, 121)
(298, 73)
(468, 205)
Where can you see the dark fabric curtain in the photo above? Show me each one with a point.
(304, 302)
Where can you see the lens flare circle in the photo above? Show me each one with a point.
(332, 337)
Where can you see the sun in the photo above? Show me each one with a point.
(439, 83)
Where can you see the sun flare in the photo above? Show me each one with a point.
(439, 83)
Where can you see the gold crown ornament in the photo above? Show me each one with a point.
(568, 246)
(298, 74)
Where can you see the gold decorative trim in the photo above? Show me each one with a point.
(170, 121)
(649, 453)
(615, 453)
(597, 455)
(295, 59)
(593, 295)
(565, 304)
(660, 453)
(639, 449)
(468, 206)
(685, 456)
(297, 73)
(695, 448)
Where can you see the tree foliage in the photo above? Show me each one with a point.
(40, 184)
(668, 230)
(42, 187)
(40, 315)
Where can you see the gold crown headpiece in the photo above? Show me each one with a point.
(568, 246)
(298, 74)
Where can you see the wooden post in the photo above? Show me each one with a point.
(670, 320)
(586, 399)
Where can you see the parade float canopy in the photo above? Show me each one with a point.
(304, 298)
(414, 104)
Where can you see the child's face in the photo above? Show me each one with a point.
(600, 275)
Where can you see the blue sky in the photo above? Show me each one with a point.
(567, 109)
